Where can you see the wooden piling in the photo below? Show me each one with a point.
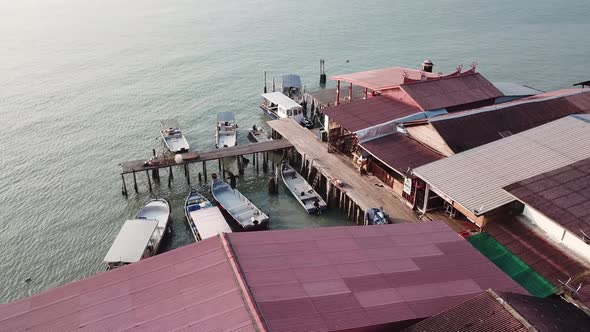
(257, 161)
(147, 173)
(124, 185)
(205, 171)
(170, 177)
(200, 178)
(135, 182)
(170, 172)
(302, 163)
(188, 175)
(222, 169)
(219, 164)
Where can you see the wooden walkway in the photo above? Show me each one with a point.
(365, 190)
(198, 156)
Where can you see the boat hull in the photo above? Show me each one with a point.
(302, 190)
(157, 209)
(235, 205)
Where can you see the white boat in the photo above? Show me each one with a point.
(291, 87)
(204, 219)
(259, 134)
(244, 213)
(278, 106)
(226, 131)
(141, 237)
(311, 201)
(172, 136)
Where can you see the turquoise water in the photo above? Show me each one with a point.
(83, 83)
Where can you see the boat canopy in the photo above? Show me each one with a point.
(209, 222)
(169, 123)
(291, 81)
(225, 117)
(280, 99)
(131, 241)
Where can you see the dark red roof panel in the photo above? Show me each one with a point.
(466, 130)
(451, 91)
(541, 255)
(365, 113)
(190, 287)
(490, 311)
(399, 152)
(563, 195)
(358, 278)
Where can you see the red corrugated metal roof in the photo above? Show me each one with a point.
(466, 130)
(451, 91)
(379, 79)
(563, 195)
(541, 255)
(399, 152)
(501, 311)
(362, 114)
(360, 278)
(189, 288)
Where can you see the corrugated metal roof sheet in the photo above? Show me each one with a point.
(369, 112)
(541, 255)
(191, 287)
(468, 129)
(451, 91)
(379, 79)
(345, 278)
(515, 90)
(475, 178)
(399, 152)
(501, 311)
(563, 195)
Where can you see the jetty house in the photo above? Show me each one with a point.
(377, 278)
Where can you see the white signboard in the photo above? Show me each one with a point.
(407, 185)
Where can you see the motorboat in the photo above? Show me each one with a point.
(172, 136)
(140, 238)
(226, 131)
(241, 210)
(278, 106)
(259, 134)
(291, 87)
(311, 201)
(375, 216)
(204, 219)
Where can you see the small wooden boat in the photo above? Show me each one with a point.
(226, 132)
(311, 201)
(141, 237)
(246, 214)
(172, 137)
(259, 134)
(204, 219)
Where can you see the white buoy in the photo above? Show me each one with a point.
(178, 158)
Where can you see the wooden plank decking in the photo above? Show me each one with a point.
(365, 190)
(193, 157)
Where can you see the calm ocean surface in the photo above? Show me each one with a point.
(83, 84)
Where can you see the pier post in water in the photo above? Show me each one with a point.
(155, 172)
(188, 175)
(135, 182)
(219, 164)
(124, 192)
(170, 177)
(222, 169)
(147, 173)
(205, 170)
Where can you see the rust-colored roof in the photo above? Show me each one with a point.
(190, 288)
(506, 312)
(466, 130)
(376, 278)
(563, 195)
(378, 79)
(365, 113)
(540, 254)
(399, 152)
(451, 91)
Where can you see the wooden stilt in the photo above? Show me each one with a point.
(200, 178)
(188, 175)
(170, 172)
(147, 173)
(124, 185)
(170, 177)
(222, 169)
(219, 164)
(135, 182)
(205, 171)
(257, 161)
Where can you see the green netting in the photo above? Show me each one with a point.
(520, 272)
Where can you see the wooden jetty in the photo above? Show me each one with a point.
(358, 192)
(254, 149)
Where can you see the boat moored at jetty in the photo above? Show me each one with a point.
(226, 131)
(172, 137)
(311, 201)
(259, 134)
(204, 219)
(278, 106)
(291, 87)
(242, 211)
(141, 237)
